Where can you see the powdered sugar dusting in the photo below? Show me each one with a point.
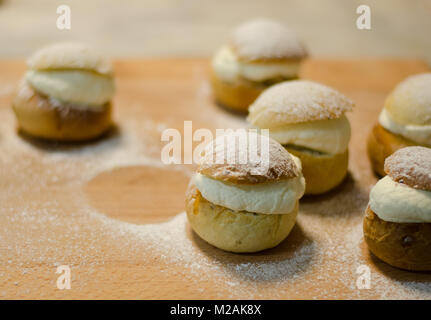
(410, 101)
(266, 39)
(47, 221)
(172, 242)
(69, 55)
(297, 101)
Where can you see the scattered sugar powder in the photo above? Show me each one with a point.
(47, 221)
(172, 244)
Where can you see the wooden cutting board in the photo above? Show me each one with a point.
(105, 209)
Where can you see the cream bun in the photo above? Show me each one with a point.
(65, 94)
(245, 206)
(397, 224)
(404, 121)
(259, 54)
(309, 120)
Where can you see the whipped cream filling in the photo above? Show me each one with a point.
(327, 136)
(279, 197)
(228, 67)
(417, 133)
(73, 86)
(397, 202)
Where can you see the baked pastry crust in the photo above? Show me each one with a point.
(322, 172)
(69, 56)
(237, 95)
(45, 118)
(236, 231)
(305, 102)
(381, 144)
(297, 101)
(402, 245)
(281, 165)
(410, 101)
(411, 166)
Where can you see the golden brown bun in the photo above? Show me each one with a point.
(236, 231)
(295, 102)
(236, 96)
(266, 40)
(40, 117)
(322, 172)
(411, 166)
(410, 101)
(280, 165)
(402, 245)
(381, 144)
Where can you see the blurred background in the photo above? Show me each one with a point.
(190, 28)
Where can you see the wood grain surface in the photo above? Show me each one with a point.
(88, 206)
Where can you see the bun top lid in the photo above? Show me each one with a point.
(69, 55)
(297, 101)
(246, 157)
(410, 102)
(411, 166)
(265, 39)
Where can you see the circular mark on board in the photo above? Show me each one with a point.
(138, 194)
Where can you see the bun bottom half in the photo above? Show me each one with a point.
(38, 117)
(239, 95)
(235, 231)
(236, 96)
(402, 245)
(381, 144)
(322, 172)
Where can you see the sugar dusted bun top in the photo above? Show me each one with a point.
(69, 56)
(256, 169)
(295, 102)
(266, 40)
(411, 166)
(71, 73)
(404, 195)
(410, 102)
